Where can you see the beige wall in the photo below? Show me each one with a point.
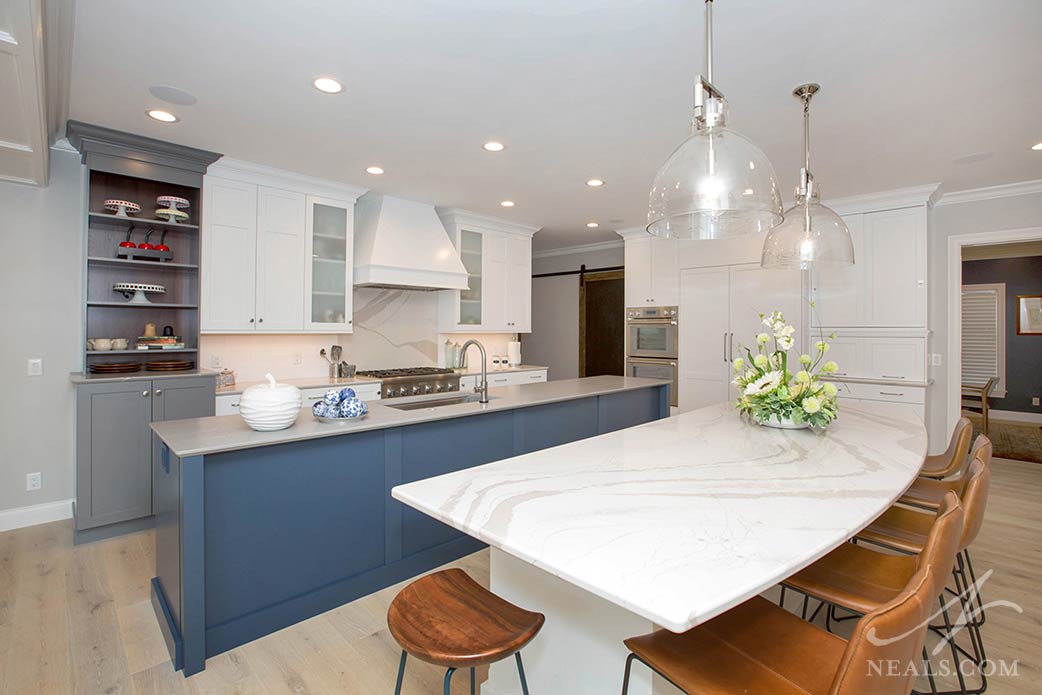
(1017, 212)
(41, 309)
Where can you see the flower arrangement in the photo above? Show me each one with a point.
(774, 395)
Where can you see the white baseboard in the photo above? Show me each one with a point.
(1014, 416)
(20, 517)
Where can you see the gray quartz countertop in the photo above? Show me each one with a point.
(81, 378)
(211, 435)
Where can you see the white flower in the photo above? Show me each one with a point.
(760, 361)
(765, 384)
(811, 405)
(785, 343)
(749, 375)
(763, 338)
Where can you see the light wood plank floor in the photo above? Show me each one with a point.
(78, 619)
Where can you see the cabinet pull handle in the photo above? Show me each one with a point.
(890, 393)
(537, 376)
(887, 376)
(144, 394)
(840, 373)
(235, 405)
(725, 346)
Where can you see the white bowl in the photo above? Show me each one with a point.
(270, 407)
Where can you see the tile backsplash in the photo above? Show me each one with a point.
(392, 328)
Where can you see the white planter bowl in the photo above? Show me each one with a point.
(270, 407)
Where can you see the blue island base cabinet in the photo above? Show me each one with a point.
(251, 541)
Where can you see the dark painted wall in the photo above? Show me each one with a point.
(1023, 352)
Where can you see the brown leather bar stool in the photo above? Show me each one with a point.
(954, 458)
(447, 619)
(760, 648)
(906, 530)
(926, 493)
(860, 580)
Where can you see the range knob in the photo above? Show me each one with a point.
(427, 388)
(439, 388)
(415, 390)
(403, 391)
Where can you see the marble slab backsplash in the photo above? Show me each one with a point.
(392, 328)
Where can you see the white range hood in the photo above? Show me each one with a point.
(402, 244)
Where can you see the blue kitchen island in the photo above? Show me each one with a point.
(256, 531)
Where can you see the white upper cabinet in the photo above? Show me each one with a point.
(229, 252)
(328, 254)
(498, 258)
(652, 273)
(276, 251)
(886, 286)
(280, 260)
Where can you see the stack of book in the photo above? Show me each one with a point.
(160, 342)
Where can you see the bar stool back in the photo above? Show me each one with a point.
(954, 457)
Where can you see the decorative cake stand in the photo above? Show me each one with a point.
(175, 208)
(135, 291)
(121, 208)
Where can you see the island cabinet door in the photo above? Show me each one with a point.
(113, 453)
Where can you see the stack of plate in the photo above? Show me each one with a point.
(114, 368)
(169, 366)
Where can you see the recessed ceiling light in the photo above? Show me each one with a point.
(592, 225)
(374, 170)
(507, 203)
(161, 115)
(328, 85)
(595, 183)
(493, 146)
(1037, 147)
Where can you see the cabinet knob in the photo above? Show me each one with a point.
(144, 394)
(251, 320)
(260, 320)
(159, 392)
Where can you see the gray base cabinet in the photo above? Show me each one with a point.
(114, 444)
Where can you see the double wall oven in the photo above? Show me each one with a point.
(652, 342)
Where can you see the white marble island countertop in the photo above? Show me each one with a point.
(680, 519)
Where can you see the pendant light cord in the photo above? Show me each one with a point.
(806, 132)
(709, 41)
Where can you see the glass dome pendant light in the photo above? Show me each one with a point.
(717, 183)
(812, 235)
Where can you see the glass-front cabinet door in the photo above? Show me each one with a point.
(470, 299)
(328, 265)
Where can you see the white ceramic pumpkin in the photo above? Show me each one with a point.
(271, 406)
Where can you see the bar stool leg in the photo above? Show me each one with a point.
(448, 681)
(951, 645)
(521, 673)
(626, 675)
(401, 674)
(973, 578)
(473, 682)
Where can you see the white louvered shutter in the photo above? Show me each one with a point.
(983, 342)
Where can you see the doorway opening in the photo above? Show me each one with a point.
(995, 338)
(601, 323)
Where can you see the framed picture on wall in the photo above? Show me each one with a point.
(1029, 314)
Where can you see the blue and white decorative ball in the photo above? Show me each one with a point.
(353, 407)
(345, 394)
(323, 409)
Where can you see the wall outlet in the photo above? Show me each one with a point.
(297, 359)
(215, 361)
(1034, 401)
(935, 360)
(33, 481)
(34, 366)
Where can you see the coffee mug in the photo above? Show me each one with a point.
(100, 344)
(120, 343)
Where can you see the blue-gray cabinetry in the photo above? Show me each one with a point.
(115, 448)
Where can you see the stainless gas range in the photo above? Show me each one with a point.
(413, 381)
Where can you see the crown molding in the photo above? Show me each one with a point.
(1006, 190)
(264, 175)
(466, 218)
(913, 196)
(579, 248)
(634, 233)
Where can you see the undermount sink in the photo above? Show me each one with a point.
(433, 403)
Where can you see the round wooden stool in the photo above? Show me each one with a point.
(449, 620)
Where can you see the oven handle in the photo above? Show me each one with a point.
(641, 360)
(652, 322)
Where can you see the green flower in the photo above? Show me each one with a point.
(822, 346)
(830, 390)
(829, 367)
(805, 359)
(761, 361)
(738, 364)
(811, 405)
(763, 339)
(803, 377)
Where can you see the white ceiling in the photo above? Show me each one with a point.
(576, 89)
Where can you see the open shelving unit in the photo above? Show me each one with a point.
(129, 167)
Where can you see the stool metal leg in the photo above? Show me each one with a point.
(448, 681)
(626, 675)
(473, 682)
(401, 674)
(520, 673)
